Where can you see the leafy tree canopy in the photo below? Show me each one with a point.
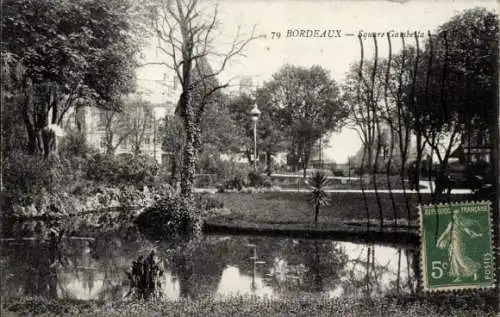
(83, 45)
(457, 73)
(307, 106)
(61, 53)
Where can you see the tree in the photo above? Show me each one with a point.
(363, 95)
(13, 131)
(220, 132)
(306, 103)
(130, 124)
(63, 51)
(270, 137)
(173, 143)
(396, 72)
(456, 84)
(141, 125)
(185, 36)
(374, 93)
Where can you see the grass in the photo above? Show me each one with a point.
(346, 217)
(394, 182)
(285, 208)
(242, 306)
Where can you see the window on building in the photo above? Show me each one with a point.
(103, 142)
(124, 143)
(147, 139)
(176, 82)
(101, 119)
(148, 121)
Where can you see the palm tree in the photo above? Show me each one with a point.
(318, 197)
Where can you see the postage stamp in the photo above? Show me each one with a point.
(457, 246)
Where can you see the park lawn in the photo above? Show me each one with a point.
(242, 306)
(381, 182)
(293, 208)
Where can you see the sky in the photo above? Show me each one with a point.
(267, 55)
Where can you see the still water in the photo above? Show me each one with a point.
(92, 264)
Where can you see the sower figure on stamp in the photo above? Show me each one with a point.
(453, 238)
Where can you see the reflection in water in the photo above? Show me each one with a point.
(374, 270)
(145, 277)
(78, 267)
(233, 282)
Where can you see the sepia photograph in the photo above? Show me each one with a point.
(249, 158)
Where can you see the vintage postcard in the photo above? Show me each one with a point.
(249, 158)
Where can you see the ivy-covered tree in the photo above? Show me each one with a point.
(173, 140)
(185, 36)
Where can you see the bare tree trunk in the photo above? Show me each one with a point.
(30, 126)
(269, 163)
(248, 154)
(173, 172)
(32, 142)
(49, 141)
(305, 160)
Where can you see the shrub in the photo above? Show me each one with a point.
(234, 183)
(318, 197)
(207, 202)
(74, 144)
(122, 169)
(171, 217)
(227, 170)
(267, 183)
(338, 173)
(256, 179)
(26, 175)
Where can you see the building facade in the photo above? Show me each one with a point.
(125, 133)
(137, 128)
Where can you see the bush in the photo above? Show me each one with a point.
(207, 202)
(339, 173)
(227, 170)
(26, 175)
(267, 183)
(122, 169)
(234, 183)
(256, 179)
(171, 217)
(74, 144)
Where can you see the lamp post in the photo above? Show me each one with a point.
(254, 258)
(154, 138)
(158, 113)
(255, 113)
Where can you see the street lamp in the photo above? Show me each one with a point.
(255, 113)
(254, 258)
(158, 113)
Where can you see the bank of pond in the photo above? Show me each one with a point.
(102, 258)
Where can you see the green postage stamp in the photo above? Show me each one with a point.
(457, 246)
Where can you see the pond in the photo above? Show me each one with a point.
(54, 261)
